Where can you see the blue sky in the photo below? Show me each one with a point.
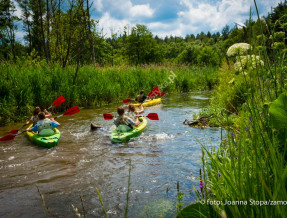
(174, 17)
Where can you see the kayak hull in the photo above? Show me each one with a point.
(44, 141)
(150, 103)
(118, 137)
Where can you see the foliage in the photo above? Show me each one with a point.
(28, 84)
(249, 168)
(278, 112)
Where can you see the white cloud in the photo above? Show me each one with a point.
(141, 11)
(213, 17)
(110, 24)
(98, 5)
(18, 11)
(194, 17)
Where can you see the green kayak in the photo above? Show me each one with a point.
(44, 141)
(119, 136)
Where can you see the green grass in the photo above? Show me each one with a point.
(26, 85)
(250, 164)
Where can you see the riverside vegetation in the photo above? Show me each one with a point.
(24, 85)
(249, 170)
(249, 97)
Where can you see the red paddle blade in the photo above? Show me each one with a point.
(152, 116)
(162, 94)
(72, 111)
(59, 101)
(7, 137)
(127, 100)
(108, 116)
(14, 131)
(154, 92)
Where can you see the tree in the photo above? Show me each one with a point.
(208, 56)
(26, 20)
(225, 32)
(141, 47)
(7, 28)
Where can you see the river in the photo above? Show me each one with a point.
(68, 174)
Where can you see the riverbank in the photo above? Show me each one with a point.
(250, 165)
(26, 85)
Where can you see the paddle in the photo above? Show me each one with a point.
(151, 116)
(127, 100)
(153, 93)
(56, 102)
(68, 112)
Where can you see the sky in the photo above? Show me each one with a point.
(173, 17)
(176, 17)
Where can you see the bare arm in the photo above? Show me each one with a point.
(137, 122)
(141, 110)
(55, 121)
(47, 114)
(29, 121)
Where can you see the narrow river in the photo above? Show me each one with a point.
(165, 153)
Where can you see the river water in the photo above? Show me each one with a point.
(69, 173)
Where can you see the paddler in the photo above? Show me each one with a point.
(34, 118)
(125, 120)
(141, 97)
(44, 126)
(133, 112)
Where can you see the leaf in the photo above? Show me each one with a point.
(278, 112)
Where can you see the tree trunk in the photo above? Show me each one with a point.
(48, 31)
(70, 37)
(89, 33)
(42, 32)
(78, 63)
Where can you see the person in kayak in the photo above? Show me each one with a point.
(133, 112)
(34, 118)
(125, 120)
(141, 97)
(44, 126)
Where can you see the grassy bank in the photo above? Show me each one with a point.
(25, 85)
(247, 175)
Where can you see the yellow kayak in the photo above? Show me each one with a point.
(150, 103)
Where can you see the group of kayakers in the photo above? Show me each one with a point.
(42, 122)
(131, 117)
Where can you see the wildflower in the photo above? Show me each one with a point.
(238, 49)
(201, 184)
(219, 175)
(247, 129)
(250, 118)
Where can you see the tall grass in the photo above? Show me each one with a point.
(26, 85)
(249, 169)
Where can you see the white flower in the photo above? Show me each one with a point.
(242, 62)
(238, 49)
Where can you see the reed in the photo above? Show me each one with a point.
(26, 85)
